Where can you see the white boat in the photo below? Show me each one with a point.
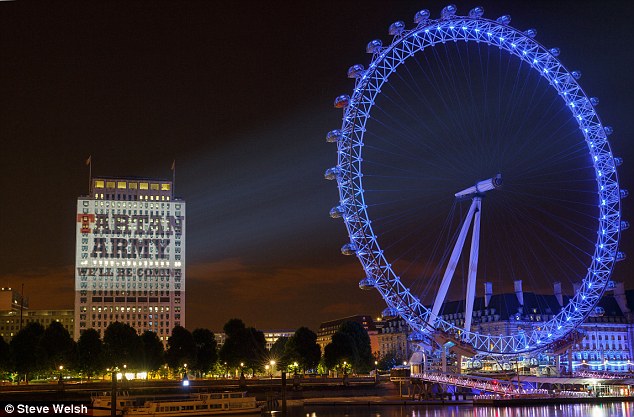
(208, 404)
(102, 403)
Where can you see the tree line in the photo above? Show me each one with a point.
(38, 352)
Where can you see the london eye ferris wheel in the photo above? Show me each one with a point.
(468, 153)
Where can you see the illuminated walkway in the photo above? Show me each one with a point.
(502, 387)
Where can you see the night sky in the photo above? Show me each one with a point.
(240, 94)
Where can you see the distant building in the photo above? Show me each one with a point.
(11, 300)
(10, 322)
(329, 328)
(220, 339)
(392, 338)
(271, 336)
(130, 256)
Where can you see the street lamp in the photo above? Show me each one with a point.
(61, 379)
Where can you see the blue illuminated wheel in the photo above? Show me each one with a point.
(433, 120)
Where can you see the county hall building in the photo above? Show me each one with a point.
(130, 256)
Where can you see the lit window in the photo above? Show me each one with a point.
(165, 187)
(132, 185)
(143, 185)
(154, 187)
(99, 184)
(121, 185)
(110, 184)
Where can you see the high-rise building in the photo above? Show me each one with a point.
(130, 256)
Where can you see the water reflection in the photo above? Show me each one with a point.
(562, 410)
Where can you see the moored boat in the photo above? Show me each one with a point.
(207, 404)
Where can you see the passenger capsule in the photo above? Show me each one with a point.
(396, 28)
(608, 130)
(576, 74)
(336, 212)
(448, 11)
(594, 101)
(349, 249)
(334, 136)
(531, 33)
(554, 51)
(620, 256)
(623, 193)
(342, 101)
(618, 161)
(355, 71)
(374, 46)
(476, 12)
(332, 173)
(421, 16)
(367, 284)
(625, 225)
(504, 20)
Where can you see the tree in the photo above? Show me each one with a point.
(5, 363)
(89, 353)
(122, 346)
(243, 346)
(59, 346)
(233, 350)
(206, 353)
(302, 348)
(341, 348)
(27, 354)
(153, 352)
(389, 361)
(364, 360)
(278, 351)
(181, 349)
(256, 350)
(350, 343)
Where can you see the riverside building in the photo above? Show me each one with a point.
(130, 256)
(15, 314)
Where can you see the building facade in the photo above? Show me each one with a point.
(393, 339)
(130, 256)
(605, 340)
(15, 314)
(271, 336)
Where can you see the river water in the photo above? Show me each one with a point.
(565, 410)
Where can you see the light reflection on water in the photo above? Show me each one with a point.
(562, 410)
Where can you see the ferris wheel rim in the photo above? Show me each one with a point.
(362, 238)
